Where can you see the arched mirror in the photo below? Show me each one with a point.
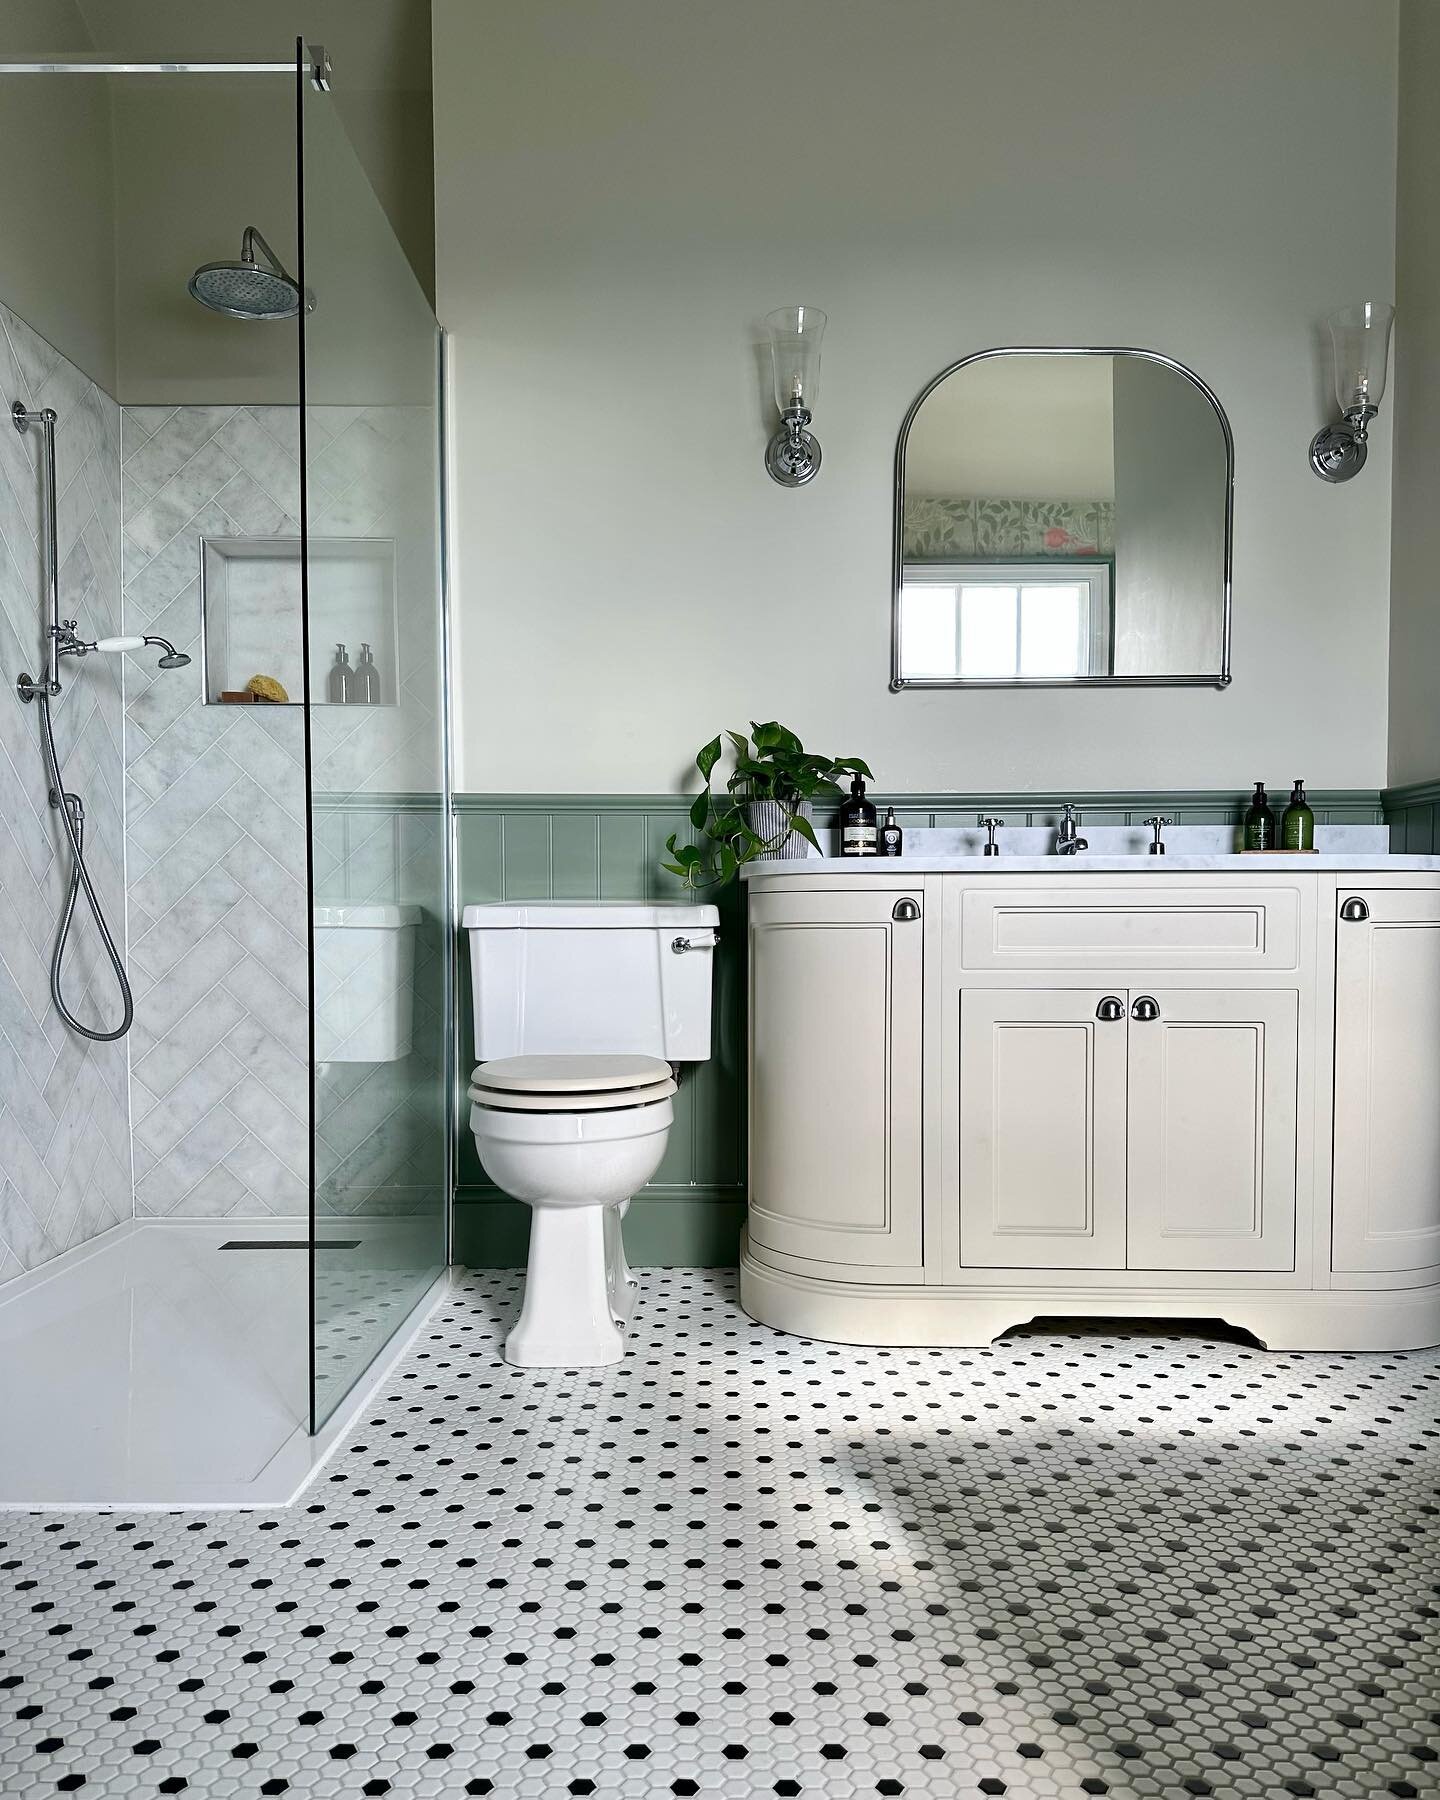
(1062, 518)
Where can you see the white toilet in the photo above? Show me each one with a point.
(582, 1013)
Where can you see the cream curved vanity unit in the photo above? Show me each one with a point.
(986, 1091)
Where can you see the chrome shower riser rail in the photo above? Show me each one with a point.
(50, 684)
(320, 68)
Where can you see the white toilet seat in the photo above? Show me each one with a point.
(571, 1084)
(570, 1074)
(493, 1101)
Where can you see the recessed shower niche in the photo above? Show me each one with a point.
(251, 600)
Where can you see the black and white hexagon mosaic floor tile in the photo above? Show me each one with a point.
(1127, 1560)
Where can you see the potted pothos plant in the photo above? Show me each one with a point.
(765, 803)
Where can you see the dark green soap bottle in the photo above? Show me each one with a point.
(1260, 821)
(1297, 828)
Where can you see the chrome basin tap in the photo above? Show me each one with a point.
(1066, 841)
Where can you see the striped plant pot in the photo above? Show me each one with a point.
(770, 819)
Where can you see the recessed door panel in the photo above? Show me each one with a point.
(1212, 1137)
(835, 1045)
(1042, 1130)
(1387, 1083)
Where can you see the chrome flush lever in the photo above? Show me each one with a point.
(681, 944)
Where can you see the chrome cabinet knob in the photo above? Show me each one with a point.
(905, 910)
(1145, 1009)
(1110, 1009)
(1354, 911)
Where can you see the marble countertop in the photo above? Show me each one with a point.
(1112, 850)
(972, 863)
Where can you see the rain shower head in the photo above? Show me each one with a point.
(247, 289)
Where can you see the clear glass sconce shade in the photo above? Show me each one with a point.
(795, 334)
(1362, 352)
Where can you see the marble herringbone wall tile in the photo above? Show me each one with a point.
(216, 840)
(217, 816)
(65, 1168)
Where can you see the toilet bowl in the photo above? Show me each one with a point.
(574, 1137)
(583, 1013)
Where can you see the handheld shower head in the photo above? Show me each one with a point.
(245, 289)
(171, 657)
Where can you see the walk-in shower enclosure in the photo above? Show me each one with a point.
(255, 487)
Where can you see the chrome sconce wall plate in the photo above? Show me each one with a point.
(1361, 337)
(792, 456)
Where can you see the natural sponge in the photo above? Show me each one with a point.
(265, 687)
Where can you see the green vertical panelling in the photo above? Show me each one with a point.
(575, 856)
(525, 849)
(610, 847)
(1413, 814)
(479, 859)
(624, 872)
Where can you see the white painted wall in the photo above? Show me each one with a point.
(1415, 398)
(624, 190)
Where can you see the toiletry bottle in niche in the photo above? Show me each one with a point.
(892, 838)
(367, 678)
(1297, 826)
(340, 687)
(1260, 821)
(859, 835)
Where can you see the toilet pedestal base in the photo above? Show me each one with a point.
(566, 1319)
(623, 1285)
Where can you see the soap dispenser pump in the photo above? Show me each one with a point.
(1297, 826)
(1260, 821)
(858, 832)
(340, 686)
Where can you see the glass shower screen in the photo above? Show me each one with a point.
(378, 801)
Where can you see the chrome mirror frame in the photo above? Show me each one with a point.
(901, 684)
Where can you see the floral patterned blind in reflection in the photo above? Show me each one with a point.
(943, 530)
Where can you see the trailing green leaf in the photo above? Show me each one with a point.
(770, 764)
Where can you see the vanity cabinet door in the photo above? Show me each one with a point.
(1213, 1080)
(1387, 1081)
(1042, 1128)
(836, 988)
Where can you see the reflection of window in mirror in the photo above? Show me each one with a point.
(1005, 621)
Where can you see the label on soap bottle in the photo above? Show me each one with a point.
(858, 840)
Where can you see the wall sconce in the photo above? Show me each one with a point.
(793, 455)
(1361, 336)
